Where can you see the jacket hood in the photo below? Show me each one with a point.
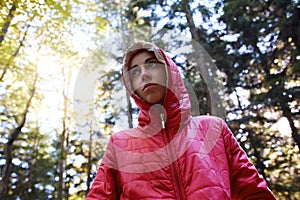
(176, 106)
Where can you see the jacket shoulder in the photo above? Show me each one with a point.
(207, 119)
(121, 134)
(124, 136)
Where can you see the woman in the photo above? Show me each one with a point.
(171, 155)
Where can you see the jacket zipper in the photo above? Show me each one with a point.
(174, 170)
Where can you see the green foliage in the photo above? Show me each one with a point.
(106, 98)
(267, 53)
(32, 167)
(255, 43)
(29, 28)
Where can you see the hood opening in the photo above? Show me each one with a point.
(176, 103)
(132, 51)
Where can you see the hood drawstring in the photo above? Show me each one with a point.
(162, 116)
(159, 108)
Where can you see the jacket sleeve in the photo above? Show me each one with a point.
(245, 182)
(105, 185)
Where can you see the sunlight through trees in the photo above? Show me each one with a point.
(46, 152)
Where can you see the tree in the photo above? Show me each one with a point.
(12, 137)
(250, 44)
(25, 28)
(180, 15)
(32, 166)
(265, 66)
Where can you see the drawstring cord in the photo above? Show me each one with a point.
(162, 116)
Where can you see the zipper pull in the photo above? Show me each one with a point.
(162, 116)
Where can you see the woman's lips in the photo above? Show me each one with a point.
(148, 86)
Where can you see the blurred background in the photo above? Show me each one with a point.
(44, 48)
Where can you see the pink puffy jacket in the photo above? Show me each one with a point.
(171, 155)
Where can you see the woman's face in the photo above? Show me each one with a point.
(148, 77)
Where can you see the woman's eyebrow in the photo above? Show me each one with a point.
(151, 58)
(133, 66)
(146, 61)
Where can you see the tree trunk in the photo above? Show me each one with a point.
(294, 27)
(129, 111)
(6, 25)
(254, 142)
(287, 113)
(62, 188)
(123, 28)
(61, 164)
(189, 17)
(21, 44)
(6, 173)
(205, 64)
(89, 166)
(255, 145)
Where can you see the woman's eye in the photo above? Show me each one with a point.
(151, 65)
(135, 71)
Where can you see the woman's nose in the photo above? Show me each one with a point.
(145, 74)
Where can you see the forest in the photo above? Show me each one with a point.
(61, 94)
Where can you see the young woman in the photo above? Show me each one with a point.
(171, 155)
